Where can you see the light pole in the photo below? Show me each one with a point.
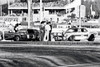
(80, 23)
(41, 11)
(29, 12)
(8, 7)
(91, 7)
(92, 12)
(69, 3)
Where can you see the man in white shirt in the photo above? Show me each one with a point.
(47, 31)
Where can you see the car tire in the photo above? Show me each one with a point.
(91, 38)
(71, 38)
(16, 38)
(37, 39)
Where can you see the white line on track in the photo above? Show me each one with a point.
(50, 46)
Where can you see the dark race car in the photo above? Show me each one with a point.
(23, 34)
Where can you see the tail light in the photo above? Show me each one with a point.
(28, 36)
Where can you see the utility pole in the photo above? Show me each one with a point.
(41, 11)
(91, 7)
(80, 16)
(29, 12)
(70, 8)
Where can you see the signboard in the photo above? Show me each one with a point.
(77, 11)
(82, 11)
(9, 18)
(46, 14)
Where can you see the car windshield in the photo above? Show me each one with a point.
(22, 30)
(30, 31)
(72, 30)
(8, 31)
(83, 30)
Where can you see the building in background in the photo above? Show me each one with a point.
(52, 9)
(56, 11)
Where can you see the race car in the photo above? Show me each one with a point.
(73, 34)
(22, 34)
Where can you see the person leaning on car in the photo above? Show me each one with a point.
(42, 30)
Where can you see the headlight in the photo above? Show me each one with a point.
(22, 34)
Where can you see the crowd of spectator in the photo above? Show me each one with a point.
(19, 4)
(19, 14)
(60, 3)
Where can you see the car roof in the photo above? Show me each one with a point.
(27, 29)
(77, 28)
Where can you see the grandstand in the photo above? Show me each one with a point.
(57, 11)
(52, 9)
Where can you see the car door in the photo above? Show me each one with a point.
(9, 35)
(31, 33)
(70, 32)
(81, 34)
(76, 33)
(23, 34)
(85, 33)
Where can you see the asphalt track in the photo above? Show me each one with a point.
(49, 54)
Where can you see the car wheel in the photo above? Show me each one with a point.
(35, 39)
(17, 38)
(91, 38)
(71, 38)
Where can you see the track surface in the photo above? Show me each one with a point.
(42, 54)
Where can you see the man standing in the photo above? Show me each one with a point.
(50, 31)
(47, 32)
(42, 30)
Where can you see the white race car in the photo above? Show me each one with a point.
(73, 34)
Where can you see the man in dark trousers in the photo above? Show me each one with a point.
(42, 30)
(16, 27)
(50, 30)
